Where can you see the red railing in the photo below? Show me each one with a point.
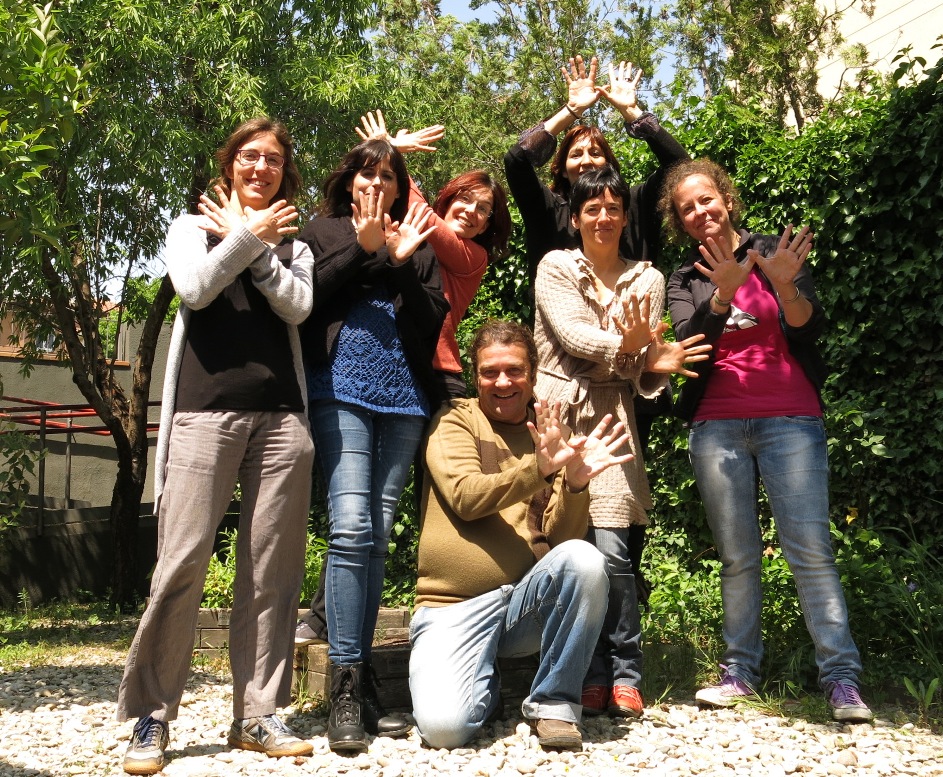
(42, 418)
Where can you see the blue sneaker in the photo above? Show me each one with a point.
(846, 704)
(149, 740)
(730, 690)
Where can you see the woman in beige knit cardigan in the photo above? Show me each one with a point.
(597, 350)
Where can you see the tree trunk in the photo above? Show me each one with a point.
(125, 519)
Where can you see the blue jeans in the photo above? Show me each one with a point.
(365, 457)
(790, 455)
(617, 659)
(556, 610)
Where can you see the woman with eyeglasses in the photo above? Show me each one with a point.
(368, 352)
(474, 223)
(233, 409)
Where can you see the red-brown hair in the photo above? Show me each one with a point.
(494, 239)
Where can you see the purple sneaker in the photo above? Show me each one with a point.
(846, 703)
(727, 693)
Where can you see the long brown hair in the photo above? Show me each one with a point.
(494, 239)
(338, 200)
(559, 182)
(245, 132)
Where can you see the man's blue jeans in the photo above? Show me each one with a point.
(790, 455)
(365, 457)
(556, 609)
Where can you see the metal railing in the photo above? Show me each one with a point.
(34, 416)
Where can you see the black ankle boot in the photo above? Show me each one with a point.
(345, 730)
(376, 720)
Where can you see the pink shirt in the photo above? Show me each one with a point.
(462, 264)
(755, 375)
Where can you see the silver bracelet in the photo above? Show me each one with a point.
(787, 301)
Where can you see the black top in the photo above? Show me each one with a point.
(237, 355)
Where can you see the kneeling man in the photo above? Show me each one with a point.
(503, 568)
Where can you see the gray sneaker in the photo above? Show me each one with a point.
(149, 740)
(305, 635)
(730, 690)
(267, 734)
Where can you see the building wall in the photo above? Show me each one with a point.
(93, 457)
(894, 25)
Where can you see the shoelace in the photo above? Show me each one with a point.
(845, 694)
(148, 732)
(274, 725)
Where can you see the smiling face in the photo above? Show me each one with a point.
(374, 178)
(583, 155)
(469, 213)
(601, 220)
(256, 184)
(505, 384)
(703, 210)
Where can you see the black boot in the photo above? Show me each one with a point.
(376, 720)
(345, 731)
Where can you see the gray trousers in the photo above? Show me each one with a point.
(271, 454)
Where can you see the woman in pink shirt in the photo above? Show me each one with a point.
(756, 413)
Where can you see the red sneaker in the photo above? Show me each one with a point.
(625, 702)
(595, 698)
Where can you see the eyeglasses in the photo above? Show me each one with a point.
(250, 156)
(482, 209)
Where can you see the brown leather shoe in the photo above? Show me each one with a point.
(626, 702)
(558, 733)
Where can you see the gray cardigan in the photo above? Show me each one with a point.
(199, 276)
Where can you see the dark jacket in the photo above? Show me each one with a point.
(345, 273)
(689, 295)
(546, 215)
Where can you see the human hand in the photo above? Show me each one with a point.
(374, 126)
(271, 224)
(782, 267)
(596, 453)
(223, 216)
(671, 357)
(369, 220)
(636, 332)
(550, 438)
(581, 88)
(404, 237)
(622, 92)
(726, 273)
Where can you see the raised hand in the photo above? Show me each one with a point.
(404, 237)
(719, 264)
(369, 220)
(270, 224)
(671, 357)
(596, 453)
(622, 91)
(581, 87)
(636, 332)
(374, 126)
(550, 438)
(782, 267)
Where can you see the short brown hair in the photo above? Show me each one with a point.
(260, 125)
(496, 331)
(684, 170)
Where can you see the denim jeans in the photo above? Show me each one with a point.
(556, 610)
(790, 455)
(617, 659)
(365, 457)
